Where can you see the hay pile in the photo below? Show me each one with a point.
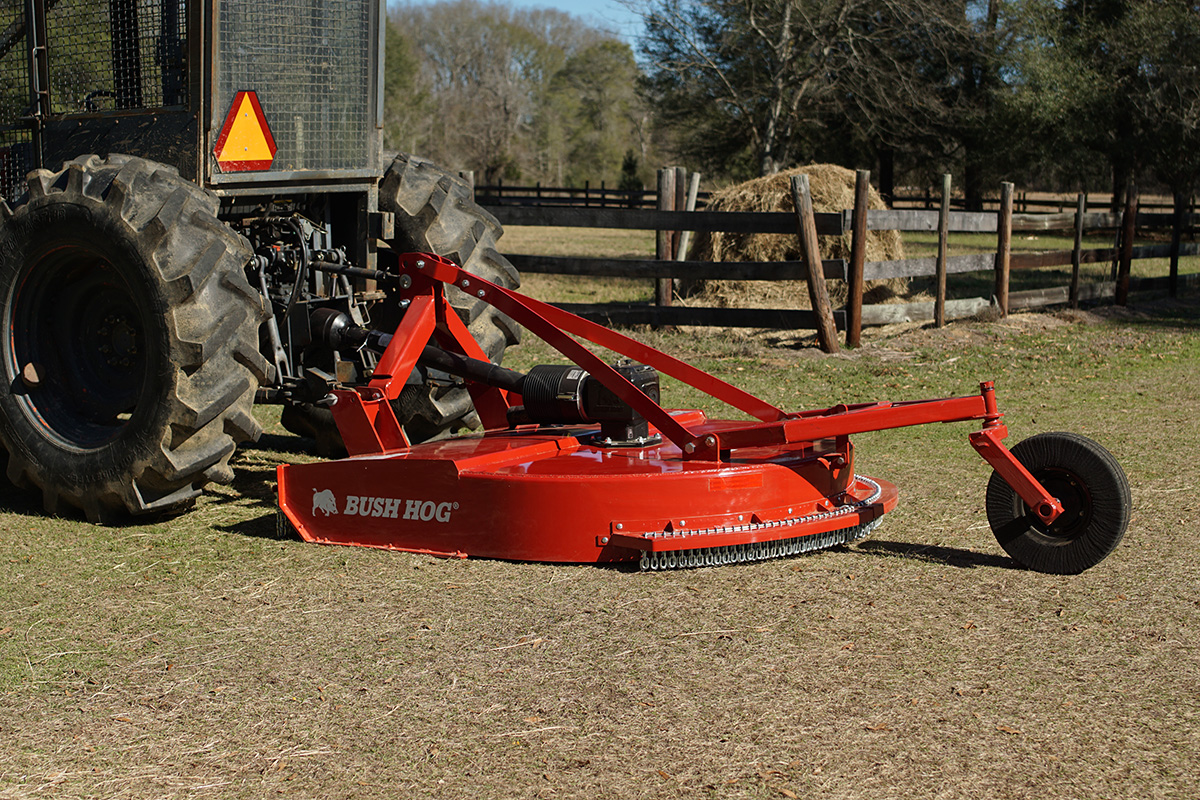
(832, 189)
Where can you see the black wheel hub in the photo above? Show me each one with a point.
(78, 346)
(1076, 502)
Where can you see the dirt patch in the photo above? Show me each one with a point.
(832, 189)
(975, 332)
(900, 340)
(963, 334)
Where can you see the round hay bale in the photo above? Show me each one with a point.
(832, 190)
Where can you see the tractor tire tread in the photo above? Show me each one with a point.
(211, 329)
(436, 212)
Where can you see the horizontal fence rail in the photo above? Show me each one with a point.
(833, 269)
(587, 196)
(907, 199)
(909, 220)
(831, 224)
(662, 316)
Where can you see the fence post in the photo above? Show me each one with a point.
(1003, 246)
(689, 204)
(817, 291)
(468, 175)
(1128, 227)
(939, 303)
(681, 186)
(1181, 204)
(858, 257)
(1076, 253)
(666, 202)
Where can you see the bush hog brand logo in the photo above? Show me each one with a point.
(383, 507)
(324, 501)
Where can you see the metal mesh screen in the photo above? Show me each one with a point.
(310, 63)
(16, 149)
(107, 55)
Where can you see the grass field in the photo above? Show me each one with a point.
(203, 656)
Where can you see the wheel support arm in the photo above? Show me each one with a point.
(988, 443)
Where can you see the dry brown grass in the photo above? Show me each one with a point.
(203, 657)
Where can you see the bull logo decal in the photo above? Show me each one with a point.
(324, 501)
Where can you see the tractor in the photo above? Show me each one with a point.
(192, 192)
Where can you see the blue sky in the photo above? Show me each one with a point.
(609, 15)
(606, 14)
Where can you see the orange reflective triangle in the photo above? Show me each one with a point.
(245, 142)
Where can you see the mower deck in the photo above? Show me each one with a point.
(554, 495)
(582, 464)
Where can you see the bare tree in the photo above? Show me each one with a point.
(757, 78)
(486, 69)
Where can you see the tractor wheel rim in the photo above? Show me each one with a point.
(78, 347)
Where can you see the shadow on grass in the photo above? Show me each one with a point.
(26, 502)
(282, 443)
(1166, 312)
(254, 484)
(949, 556)
(262, 527)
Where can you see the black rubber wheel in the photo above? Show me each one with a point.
(129, 343)
(436, 213)
(1094, 492)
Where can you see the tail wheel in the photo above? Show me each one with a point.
(1093, 490)
(129, 343)
(436, 213)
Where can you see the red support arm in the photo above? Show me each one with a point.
(988, 443)
(410, 338)
(364, 416)
(429, 312)
(491, 404)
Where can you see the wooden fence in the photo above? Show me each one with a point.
(1023, 202)
(669, 263)
(586, 196)
(604, 196)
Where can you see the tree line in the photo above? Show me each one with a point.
(513, 94)
(1071, 95)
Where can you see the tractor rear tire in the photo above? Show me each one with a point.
(1093, 490)
(129, 339)
(436, 213)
